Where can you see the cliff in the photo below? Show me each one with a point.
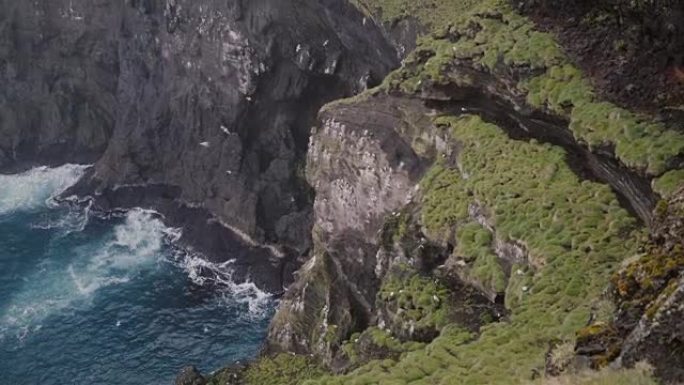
(471, 211)
(200, 110)
(452, 191)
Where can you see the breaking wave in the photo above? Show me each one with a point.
(131, 248)
(87, 297)
(34, 188)
(220, 275)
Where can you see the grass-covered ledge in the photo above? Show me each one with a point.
(490, 36)
(575, 229)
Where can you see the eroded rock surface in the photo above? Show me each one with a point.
(204, 105)
(362, 170)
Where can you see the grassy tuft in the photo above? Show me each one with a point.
(283, 369)
(576, 231)
(669, 183)
(418, 303)
(490, 37)
(474, 247)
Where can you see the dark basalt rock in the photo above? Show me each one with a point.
(59, 73)
(189, 376)
(199, 106)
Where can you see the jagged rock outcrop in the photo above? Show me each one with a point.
(531, 190)
(189, 376)
(200, 107)
(649, 296)
(365, 162)
(362, 170)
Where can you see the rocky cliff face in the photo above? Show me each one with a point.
(463, 222)
(477, 201)
(202, 108)
(59, 82)
(362, 169)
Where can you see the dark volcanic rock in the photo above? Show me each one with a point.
(58, 76)
(210, 102)
(633, 50)
(189, 376)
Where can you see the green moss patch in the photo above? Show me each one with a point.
(375, 344)
(474, 247)
(417, 304)
(283, 369)
(488, 36)
(669, 183)
(575, 229)
(395, 229)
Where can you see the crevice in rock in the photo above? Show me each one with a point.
(633, 190)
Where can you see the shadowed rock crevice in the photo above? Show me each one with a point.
(633, 190)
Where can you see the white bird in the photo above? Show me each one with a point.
(204, 144)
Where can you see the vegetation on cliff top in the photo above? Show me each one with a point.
(489, 36)
(419, 303)
(669, 183)
(474, 247)
(283, 369)
(574, 230)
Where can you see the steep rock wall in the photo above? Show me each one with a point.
(511, 204)
(202, 108)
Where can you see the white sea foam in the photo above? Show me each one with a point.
(58, 284)
(203, 272)
(137, 244)
(74, 220)
(34, 188)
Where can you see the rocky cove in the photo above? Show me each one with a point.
(442, 191)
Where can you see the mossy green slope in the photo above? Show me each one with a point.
(283, 369)
(575, 230)
(375, 341)
(489, 36)
(669, 183)
(474, 245)
(423, 300)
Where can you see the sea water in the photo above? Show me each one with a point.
(92, 299)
